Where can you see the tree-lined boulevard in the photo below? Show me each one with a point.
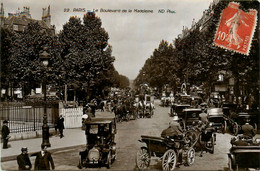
(128, 134)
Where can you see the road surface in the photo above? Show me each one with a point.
(127, 138)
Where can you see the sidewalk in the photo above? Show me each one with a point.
(72, 138)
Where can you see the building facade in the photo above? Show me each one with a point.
(21, 18)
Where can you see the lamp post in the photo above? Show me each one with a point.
(44, 56)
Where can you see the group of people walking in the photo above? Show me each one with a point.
(43, 161)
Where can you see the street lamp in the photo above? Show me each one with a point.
(44, 56)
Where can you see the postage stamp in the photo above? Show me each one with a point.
(236, 29)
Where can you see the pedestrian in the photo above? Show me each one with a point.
(60, 125)
(23, 160)
(43, 160)
(5, 134)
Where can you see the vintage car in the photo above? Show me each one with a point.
(195, 101)
(190, 116)
(217, 119)
(177, 109)
(101, 147)
(168, 149)
(238, 156)
(183, 99)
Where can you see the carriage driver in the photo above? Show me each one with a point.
(174, 128)
(248, 130)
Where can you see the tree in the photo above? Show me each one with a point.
(25, 67)
(7, 37)
(88, 59)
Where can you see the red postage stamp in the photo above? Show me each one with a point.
(236, 29)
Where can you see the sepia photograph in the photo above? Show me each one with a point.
(129, 85)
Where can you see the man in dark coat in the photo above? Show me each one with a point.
(43, 160)
(60, 125)
(248, 130)
(5, 134)
(174, 128)
(23, 160)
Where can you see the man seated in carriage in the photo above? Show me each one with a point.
(248, 130)
(173, 130)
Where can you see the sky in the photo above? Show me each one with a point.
(133, 35)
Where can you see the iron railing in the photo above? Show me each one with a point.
(23, 117)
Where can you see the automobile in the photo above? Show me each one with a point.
(217, 119)
(101, 146)
(190, 116)
(167, 149)
(195, 101)
(183, 99)
(177, 109)
(238, 156)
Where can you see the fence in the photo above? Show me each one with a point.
(27, 118)
(72, 117)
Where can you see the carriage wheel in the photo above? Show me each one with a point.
(143, 158)
(212, 141)
(231, 165)
(109, 160)
(190, 157)
(169, 160)
(235, 129)
(255, 127)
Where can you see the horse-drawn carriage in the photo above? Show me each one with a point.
(101, 146)
(238, 120)
(149, 106)
(246, 156)
(195, 128)
(165, 100)
(144, 107)
(170, 150)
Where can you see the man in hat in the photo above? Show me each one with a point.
(173, 129)
(5, 134)
(43, 160)
(248, 130)
(23, 160)
(60, 125)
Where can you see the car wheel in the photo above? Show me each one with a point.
(169, 160)
(143, 158)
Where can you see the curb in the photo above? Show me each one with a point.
(32, 154)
